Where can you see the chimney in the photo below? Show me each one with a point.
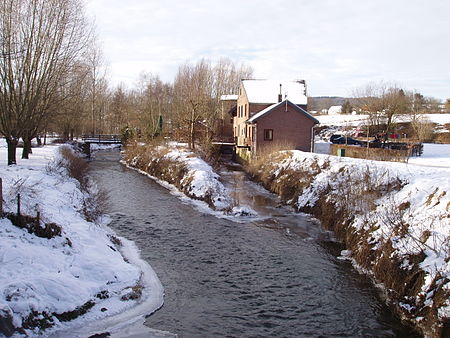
(280, 96)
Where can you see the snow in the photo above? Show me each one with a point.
(59, 274)
(267, 91)
(201, 181)
(434, 155)
(355, 120)
(229, 97)
(334, 110)
(425, 191)
(54, 276)
(342, 119)
(274, 106)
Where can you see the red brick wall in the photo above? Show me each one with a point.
(290, 127)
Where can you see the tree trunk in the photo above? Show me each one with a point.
(12, 146)
(192, 136)
(26, 148)
(39, 141)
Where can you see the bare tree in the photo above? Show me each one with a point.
(192, 98)
(382, 102)
(197, 91)
(447, 105)
(40, 41)
(153, 101)
(98, 87)
(72, 111)
(119, 110)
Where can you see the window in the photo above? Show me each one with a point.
(268, 134)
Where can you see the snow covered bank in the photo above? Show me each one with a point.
(85, 274)
(395, 219)
(175, 165)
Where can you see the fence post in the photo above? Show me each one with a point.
(1, 197)
(18, 205)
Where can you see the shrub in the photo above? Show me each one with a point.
(34, 226)
(443, 138)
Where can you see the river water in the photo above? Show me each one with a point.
(274, 276)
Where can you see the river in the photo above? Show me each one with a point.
(275, 276)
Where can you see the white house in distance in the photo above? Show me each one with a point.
(335, 110)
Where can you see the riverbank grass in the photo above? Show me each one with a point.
(175, 164)
(393, 217)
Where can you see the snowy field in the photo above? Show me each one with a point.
(434, 155)
(84, 264)
(355, 120)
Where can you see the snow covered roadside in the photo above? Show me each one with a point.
(64, 283)
(394, 217)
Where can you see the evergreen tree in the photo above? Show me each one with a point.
(346, 108)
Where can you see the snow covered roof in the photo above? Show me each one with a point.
(266, 91)
(334, 110)
(229, 98)
(276, 105)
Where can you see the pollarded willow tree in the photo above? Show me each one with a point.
(40, 41)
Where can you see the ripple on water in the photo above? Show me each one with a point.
(271, 278)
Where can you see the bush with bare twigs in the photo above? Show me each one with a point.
(388, 238)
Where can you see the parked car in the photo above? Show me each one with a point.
(340, 139)
(334, 137)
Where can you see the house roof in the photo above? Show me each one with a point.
(269, 109)
(266, 91)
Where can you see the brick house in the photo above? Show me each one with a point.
(270, 113)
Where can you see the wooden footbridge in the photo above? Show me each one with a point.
(102, 139)
(87, 140)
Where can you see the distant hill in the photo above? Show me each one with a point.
(324, 102)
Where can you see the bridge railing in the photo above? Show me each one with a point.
(101, 138)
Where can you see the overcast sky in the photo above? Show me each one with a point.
(335, 45)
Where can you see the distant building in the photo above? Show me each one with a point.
(335, 110)
(270, 113)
